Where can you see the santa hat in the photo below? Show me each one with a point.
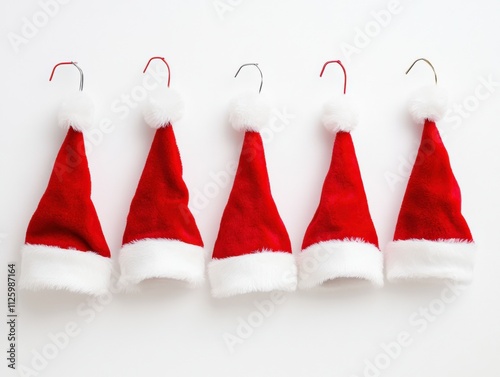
(65, 247)
(161, 238)
(341, 241)
(252, 251)
(432, 238)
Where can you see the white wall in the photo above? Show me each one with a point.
(170, 330)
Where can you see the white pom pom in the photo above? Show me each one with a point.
(429, 102)
(249, 112)
(340, 114)
(77, 112)
(162, 109)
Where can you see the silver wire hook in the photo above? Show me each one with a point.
(428, 62)
(75, 64)
(261, 75)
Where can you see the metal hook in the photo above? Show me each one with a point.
(343, 69)
(75, 64)
(261, 75)
(164, 61)
(428, 62)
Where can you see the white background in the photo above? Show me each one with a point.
(170, 330)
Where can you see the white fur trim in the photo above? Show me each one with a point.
(77, 111)
(249, 112)
(161, 258)
(163, 108)
(329, 260)
(262, 271)
(340, 114)
(429, 102)
(48, 267)
(418, 259)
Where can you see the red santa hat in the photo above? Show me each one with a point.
(252, 251)
(341, 241)
(65, 247)
(432, 238)
(161, 238)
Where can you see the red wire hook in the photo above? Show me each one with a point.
(63, 63)
(164, 61)
(339, 63)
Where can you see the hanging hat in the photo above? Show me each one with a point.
(432, 238)
(65, 247)
(341, 241)
(161, 238)
(252, 251)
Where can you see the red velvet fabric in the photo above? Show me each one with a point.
(66, 217)
(343, 209)
(159, 208)
(251, 222)
(431, 207)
